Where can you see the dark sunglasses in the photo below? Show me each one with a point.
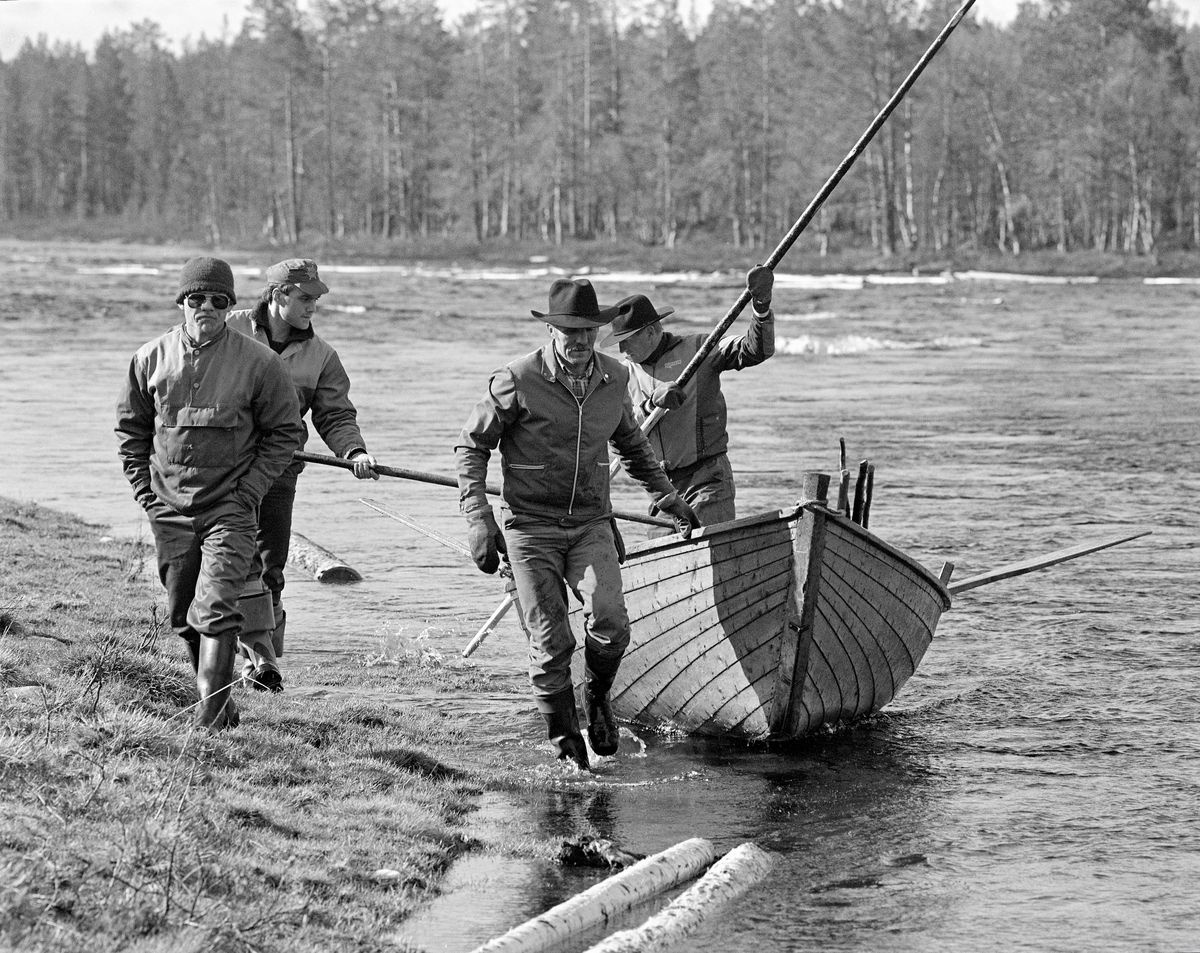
(220, 302)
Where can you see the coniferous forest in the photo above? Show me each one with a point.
(1073, 127)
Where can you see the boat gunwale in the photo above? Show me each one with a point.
(712, 533)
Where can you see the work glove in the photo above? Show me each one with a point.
(684, 516)
(363, 464)
(760, 280)
(668, 396)
(485, 539)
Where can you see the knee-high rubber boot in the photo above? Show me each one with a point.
(216, 709)
(192, 642)
(278, 633)
(562, 727)
(599, 673)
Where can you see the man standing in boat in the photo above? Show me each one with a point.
(281, 319)
(206, 422)
(691, 440)
(553, 414)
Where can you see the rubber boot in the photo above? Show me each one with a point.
(603, 732)
(216, 709)
(192, 642)
(278, 632)
(562, 727)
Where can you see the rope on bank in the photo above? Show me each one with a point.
(729, 878)
(599, 903)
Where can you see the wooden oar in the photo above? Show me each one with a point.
(422, 477)
(494, 619)
(1040, 562)
(813, 207)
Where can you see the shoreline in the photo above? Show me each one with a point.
(705, 257)
(322, 823)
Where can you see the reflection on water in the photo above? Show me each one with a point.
(1032, 788)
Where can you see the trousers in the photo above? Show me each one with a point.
(204, 562)
(548, 559)
(707, 487)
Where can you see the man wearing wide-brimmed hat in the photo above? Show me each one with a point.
(206, 421)
(691, 440)
(552, 414)
(282, 320)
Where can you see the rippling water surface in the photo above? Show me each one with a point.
(1035, 785)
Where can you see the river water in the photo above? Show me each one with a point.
(1035, 785)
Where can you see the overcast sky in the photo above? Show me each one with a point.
(83, 21)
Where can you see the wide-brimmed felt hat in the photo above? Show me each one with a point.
(299, 272)
(573, 305)
(633, 314)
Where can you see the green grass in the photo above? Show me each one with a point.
(319, 824)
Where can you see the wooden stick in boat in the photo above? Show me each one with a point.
(860, 488)
(843, 500)
(813, 207)
(438, 480)
(866, 513)
(1041, 562)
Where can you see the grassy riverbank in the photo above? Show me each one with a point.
(319, 824)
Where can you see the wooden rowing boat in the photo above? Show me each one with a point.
(772, 626)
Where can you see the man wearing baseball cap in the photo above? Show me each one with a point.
(206, 422)
(691, 440)
(552, 414)
(282, 320)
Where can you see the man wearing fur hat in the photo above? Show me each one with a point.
(281, 319)
(206, 421)
(691, 440)
(553, 414)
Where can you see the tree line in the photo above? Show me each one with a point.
(1076, 126)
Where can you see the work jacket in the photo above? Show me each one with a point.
(322, 384)
(696, 430)
(199, 423)
(554, 447)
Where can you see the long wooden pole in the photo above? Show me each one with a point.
(813, 207)
(422, 477)
(1041, 562)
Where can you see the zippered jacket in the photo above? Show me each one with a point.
(697, 429)
(197, 424)
(322, 384)
(553, 447)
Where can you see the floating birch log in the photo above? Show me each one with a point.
(599, 903)
(727, 879)
(324, 565)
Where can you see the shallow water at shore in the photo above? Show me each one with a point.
(1034, 785)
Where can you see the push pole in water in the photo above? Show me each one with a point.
(813, 207)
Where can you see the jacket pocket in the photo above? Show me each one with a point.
(200, 436)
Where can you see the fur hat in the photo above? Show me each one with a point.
(206, 274)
